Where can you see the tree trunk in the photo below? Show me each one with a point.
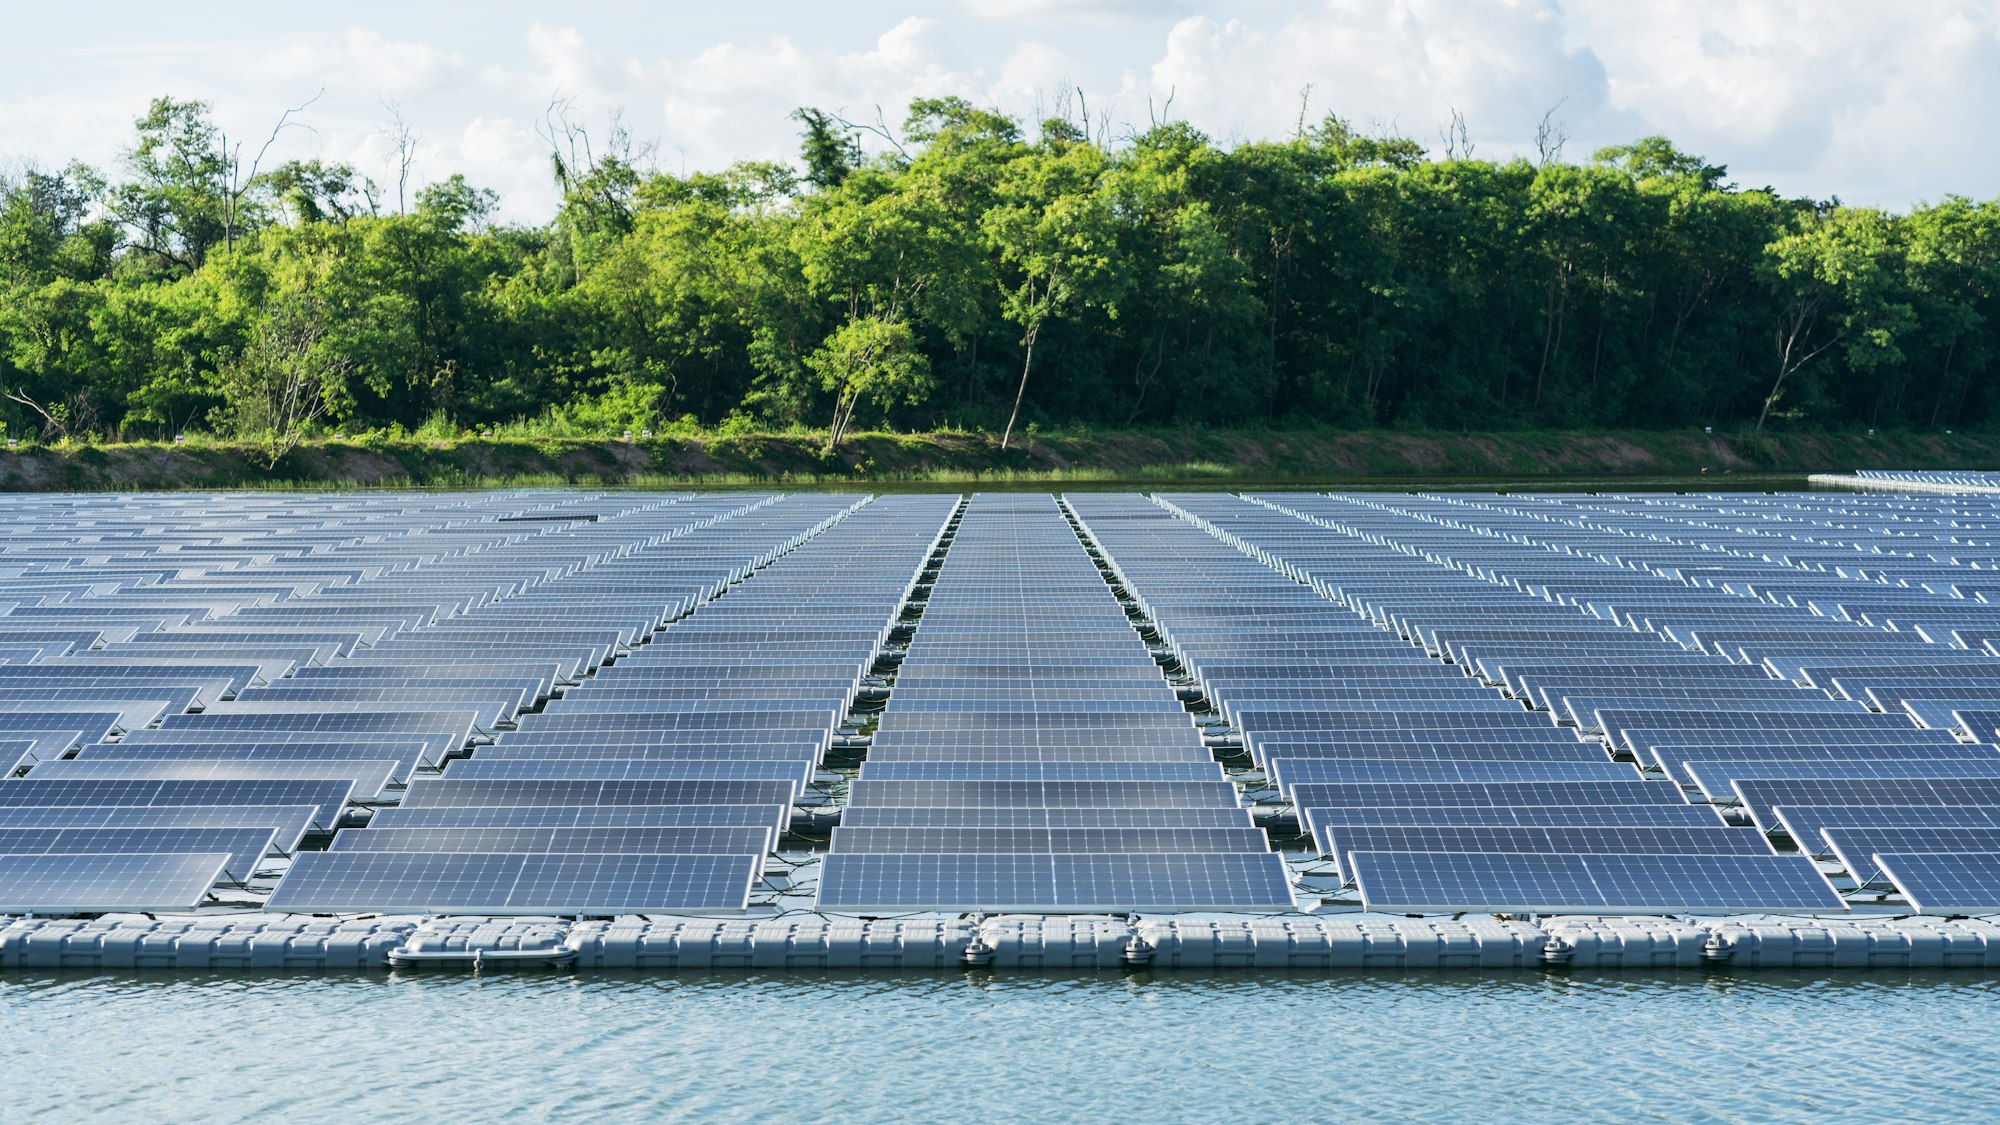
(1944, 384)
(1033, 331)
(1145, 382)
(1552, 330)
(843, 412)
(1775, 389)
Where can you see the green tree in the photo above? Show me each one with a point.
(1052, 228)
(1833, 279)
(869, 359)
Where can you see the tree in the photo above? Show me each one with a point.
(828, 147)
(296, 365)
(174, 205)
(1053, 230)
(871, 359)
(1832, 277)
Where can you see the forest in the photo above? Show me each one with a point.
(962, 271)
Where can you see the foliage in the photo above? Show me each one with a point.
(958, 272)
(869, 359)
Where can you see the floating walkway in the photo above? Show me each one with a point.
(1944, 484)
(277, 943)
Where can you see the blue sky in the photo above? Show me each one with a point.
(1876, 103)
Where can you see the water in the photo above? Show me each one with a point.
(982, 1048)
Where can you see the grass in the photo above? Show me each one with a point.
(957, 458)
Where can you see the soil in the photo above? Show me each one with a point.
(1191, 455)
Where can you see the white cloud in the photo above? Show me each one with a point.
(1062, 11)
(1874, 103)
(361, 60)
(1405, 65)
(1886, 103)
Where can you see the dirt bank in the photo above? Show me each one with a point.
(1218, 455)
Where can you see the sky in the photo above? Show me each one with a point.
(1876, 103)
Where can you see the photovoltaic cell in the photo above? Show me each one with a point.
(85, 883)
(864, 883)
(1945, 883)
(1583, 883)
(514, 884)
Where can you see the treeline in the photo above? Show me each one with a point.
(975, 276)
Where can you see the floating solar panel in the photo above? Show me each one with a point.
(510, 791)
(973, 818)
(867, 883)
(1446, 793)
(514, 884)
(796, 770)
(1320, 820)
(85, 883)
(873, 771)
(1288, 772)
(1762, 796)
(848, 839)
(288, 823)
(773, 816)
(1857, 847)
(1717, 779)
(368, 777)
(1807, 825)
(623, 839)
(1945, 883)
(1587, 883)
(1035, 794)
(244, 846)
(327, 797)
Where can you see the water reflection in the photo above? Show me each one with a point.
(1673, 1046)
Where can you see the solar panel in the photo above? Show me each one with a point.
(327, 797)
(513, 791)
(1318, 820)
(1589, 883)
(404, 755)
(289, 822)
(85, 883)
(1945, 883)
(1337, 840)
(798, 771)
(1856, 848)
(1762, 795)
(1516, 746)
(772, 816)
(244, 846)
(1288, 772)
(1673, 755)
(1443, 793)
(981, 817)
(369, 777)
(1147, 839)
(624, 839)
(1717, 779)
(864, 883)
(1808, 824)
(513, 884)
(1067, 794)
(874, 771)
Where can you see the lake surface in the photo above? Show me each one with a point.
(997, 1048)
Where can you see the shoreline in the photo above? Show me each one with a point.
(1182, 458)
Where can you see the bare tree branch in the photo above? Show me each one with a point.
(49, 420)
(880, 129)
(405, 139)
(1551, 135)
(239, 185)
(1457, 138)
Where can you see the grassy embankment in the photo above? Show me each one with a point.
(1188, 457)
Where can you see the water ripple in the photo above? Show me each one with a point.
(1667, 1048)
